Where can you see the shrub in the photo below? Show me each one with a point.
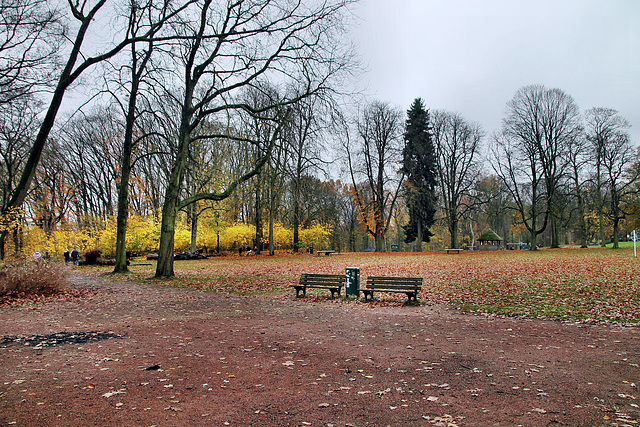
(24, 278)
(316, 236)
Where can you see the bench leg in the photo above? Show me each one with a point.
(334, 291)
(367, 294)
(301, 288)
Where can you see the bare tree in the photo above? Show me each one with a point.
(53, 193)
(613, 155)
(376, 182)
(18, 126)
(578, 156)
(78, 62)
(305, 131)
(457, 144)
(605, 130)
(530, 153)
(30, 36)
(143, 19)
(229, 47)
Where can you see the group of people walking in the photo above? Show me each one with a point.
(73, 256)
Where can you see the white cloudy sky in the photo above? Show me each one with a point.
(471, 56)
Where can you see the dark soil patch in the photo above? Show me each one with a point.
(59, 338)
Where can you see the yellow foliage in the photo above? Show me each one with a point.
(143, 236)
(182, 238)
(317, 236)
(282, 237)
(33, 239)
(236, 235)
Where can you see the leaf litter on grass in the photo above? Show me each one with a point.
(567, 284)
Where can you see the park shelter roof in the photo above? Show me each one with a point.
(489, 236)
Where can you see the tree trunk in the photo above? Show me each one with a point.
(603, 240)
(617, 216)
(296, 225)
(164, 267)
(555, 232)
(3, 238)
(600, 207)
(473, 235)
(453, 229)
(583, 223)
(167, 236)
(258, 213)
(271, 241)
(534, 232)
(123, 213)
(419, 237)
(194, 226)
(123, 188)
(379, 242)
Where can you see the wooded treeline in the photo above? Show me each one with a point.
(203, 115)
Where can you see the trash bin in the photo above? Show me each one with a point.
(353, 280)
(394, 248)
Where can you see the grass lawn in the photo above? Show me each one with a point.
(566, 284)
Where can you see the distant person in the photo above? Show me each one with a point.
(74, 256)
(240, 250)
(36, 256)
(67, 257)
(47, 256)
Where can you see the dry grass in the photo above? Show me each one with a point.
(21, 278)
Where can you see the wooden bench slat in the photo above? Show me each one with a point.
(407, 285)
(394, 287)
(332, 282)
(394, 279)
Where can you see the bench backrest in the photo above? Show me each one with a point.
(322, 279)
(394, 282)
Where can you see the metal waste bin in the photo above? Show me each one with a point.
(353, 280)
(394, 248)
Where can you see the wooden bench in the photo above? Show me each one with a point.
(406, 285)
(326, 253)
(333, 282)
(454, 251)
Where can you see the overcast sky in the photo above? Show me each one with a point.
(471, 56)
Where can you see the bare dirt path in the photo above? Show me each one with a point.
(143, 355)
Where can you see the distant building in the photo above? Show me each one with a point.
(489, 241)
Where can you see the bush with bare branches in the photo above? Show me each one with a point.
(22, 278)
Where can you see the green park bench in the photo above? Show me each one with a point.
(406, 285)
(333, 282)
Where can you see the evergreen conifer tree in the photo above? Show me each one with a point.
(419, 166)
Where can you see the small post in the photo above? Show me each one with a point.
(635, 237)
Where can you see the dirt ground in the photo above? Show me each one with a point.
(142, 355)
